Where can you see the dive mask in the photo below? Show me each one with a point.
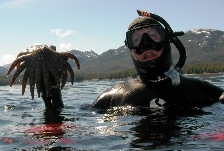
(147, 38)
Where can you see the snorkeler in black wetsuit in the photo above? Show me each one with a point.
(148, 38)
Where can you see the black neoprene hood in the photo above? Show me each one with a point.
(142, 22)
(153, 70)
(150, 69)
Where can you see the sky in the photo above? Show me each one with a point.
(97, 25)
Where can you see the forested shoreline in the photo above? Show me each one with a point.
(200, 68)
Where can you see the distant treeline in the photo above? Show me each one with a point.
(187, 69)
(203, 68)
(199, 68)
(114, 75)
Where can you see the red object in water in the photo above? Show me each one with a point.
(47, 129)
(216, 136)
(52, 129)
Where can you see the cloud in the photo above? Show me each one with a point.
(65, 47)
(16, 3)
(7, 59)
(61, 34)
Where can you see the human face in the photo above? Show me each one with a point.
(147, 55)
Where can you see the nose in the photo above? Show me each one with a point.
(146, 42)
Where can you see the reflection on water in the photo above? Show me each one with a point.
(27, 125)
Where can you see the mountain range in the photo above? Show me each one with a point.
(202, 45)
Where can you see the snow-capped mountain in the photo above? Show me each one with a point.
(206, 38)
(204, 45)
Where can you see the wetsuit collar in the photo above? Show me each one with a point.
(156, 79)
(159, 78)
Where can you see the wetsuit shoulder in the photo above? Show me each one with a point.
(200, 91)
(133, 92)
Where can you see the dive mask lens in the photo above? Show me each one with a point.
(155, 37)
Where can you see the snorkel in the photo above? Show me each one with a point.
(162, 66)
(171, 36)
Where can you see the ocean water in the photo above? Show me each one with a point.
(25, 124)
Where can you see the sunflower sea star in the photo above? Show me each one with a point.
(45, 68)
